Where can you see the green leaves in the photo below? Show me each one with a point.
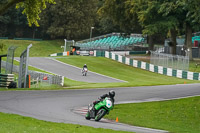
(32, 9)
(70, 19)
(122, 14)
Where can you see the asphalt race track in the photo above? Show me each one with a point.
(62, 105)
(53, 66)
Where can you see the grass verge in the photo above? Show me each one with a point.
(10, 123)
(39, 48)
(133, 76)
(177, 116)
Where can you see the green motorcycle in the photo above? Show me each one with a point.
(100, 109)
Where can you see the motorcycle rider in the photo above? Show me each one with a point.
(101, 107)
(84, 66)
(110, 95)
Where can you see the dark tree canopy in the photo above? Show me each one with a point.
(31, 8)
(73, 19)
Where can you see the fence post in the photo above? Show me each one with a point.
(23, 69)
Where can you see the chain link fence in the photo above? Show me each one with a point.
(10, 57)
(170, 61)
(46, 79)
(43, 78)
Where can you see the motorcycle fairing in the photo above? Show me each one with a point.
(106, 102)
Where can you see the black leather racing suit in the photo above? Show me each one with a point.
(84, 67)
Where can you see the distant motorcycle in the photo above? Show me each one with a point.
(100, 109)
(84, 71)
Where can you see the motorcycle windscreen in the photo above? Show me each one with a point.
(108, 104)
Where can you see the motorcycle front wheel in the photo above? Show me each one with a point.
(87, 116)
(100, 114)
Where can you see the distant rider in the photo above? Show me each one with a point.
(85, 66)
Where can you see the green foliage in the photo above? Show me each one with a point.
(16, 26)
(177, 116)
(2, 47)
(66, 19)
(32, 9)
(119, 13)
(191, 9)
(156, 17)
(70, 19)
(152, 20)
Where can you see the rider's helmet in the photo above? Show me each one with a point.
(85, 65)
(111, 93)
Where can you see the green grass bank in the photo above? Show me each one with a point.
(39, 48)
(10, 123)
(133, 76)
(176, 116)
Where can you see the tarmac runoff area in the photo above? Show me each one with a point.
(71, 72)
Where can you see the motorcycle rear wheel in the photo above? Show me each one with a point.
(100, 114)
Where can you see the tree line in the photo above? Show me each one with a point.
(168, 18)
(60, 19)
(72, 19)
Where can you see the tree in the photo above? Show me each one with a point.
(192, 20)
(14, 24)
(187, 13)
(32, 8)
(70, 19)
(136, 16)
(5, 5)
(104, 24)
(117, 11)
(157, 17)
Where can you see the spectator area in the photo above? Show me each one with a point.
(111, 41)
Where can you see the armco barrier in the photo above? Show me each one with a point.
(150, 67)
